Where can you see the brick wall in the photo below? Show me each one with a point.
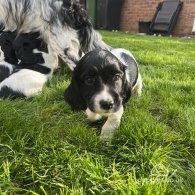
(135, 10)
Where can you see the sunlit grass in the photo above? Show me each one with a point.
(45, 148)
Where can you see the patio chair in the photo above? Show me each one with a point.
(165, 17)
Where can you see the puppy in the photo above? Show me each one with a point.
(102, 84)
(20, 52)
(35, 64)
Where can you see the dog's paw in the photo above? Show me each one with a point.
(91, 116)
(105, 141)
(108, 130)
(112, 123)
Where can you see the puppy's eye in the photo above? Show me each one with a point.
(116, 78)
(89, 80)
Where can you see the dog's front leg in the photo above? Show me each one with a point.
(111, 124)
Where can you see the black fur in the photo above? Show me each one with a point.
(73, 96)
(6, 40)
(24, 45)
(7, 92)
(17, 80)
(35, 67)
(4, 72)
(21, 47)
(74, 15)
(133, 69)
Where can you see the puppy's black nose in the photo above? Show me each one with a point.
(106, 105)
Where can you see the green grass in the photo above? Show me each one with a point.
(45, 148)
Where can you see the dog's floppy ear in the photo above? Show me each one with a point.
(73, 97)
(126, 93)
(127, 89)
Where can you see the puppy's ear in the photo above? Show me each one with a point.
(127, 89)
(73, 97)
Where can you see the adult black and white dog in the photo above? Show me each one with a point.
(63, 24)
(26, 64)
(102, 84)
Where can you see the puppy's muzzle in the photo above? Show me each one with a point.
(106, 104)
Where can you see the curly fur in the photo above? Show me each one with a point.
(63, 24)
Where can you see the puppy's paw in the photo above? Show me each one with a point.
(108, 130)
(112, 123)
(105, 139)
(92, 116)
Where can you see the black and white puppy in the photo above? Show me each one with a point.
(18, 51)
(26, 64)
(102, 84)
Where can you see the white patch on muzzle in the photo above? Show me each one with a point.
(104, 95)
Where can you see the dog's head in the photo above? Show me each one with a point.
(99, 83)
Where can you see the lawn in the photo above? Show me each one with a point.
(45, 148)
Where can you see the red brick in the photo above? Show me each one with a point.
(134, 10)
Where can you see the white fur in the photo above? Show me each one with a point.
(1, 55)
(27, 82)
(104, 95)
(137, 88)
(50, 59)
(92, 116)
(112, 123)
(118, 51)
